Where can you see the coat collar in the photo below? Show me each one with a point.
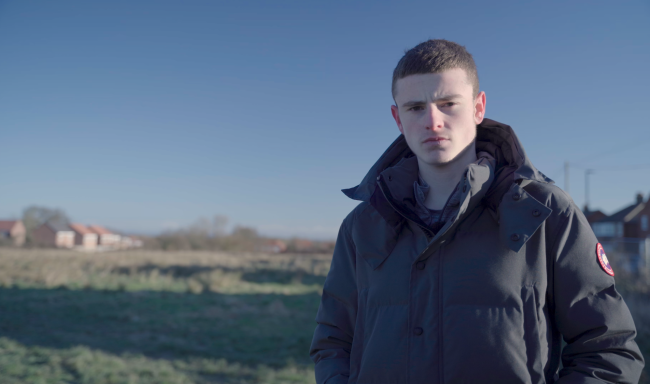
(500, 188)
(397, 182)
(493, 137)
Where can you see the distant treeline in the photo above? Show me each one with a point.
(207, 234)
(240, 239)
(203, 234)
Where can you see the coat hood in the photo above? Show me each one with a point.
(498, 139)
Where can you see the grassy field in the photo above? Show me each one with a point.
(157, 317)
(173, 317)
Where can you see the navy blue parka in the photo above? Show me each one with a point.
(486, 299)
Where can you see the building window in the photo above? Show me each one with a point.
(644, 222)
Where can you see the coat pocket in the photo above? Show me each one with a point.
(381, 353)
(487, 338)
(502, 343)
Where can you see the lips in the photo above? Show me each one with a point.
(435, 140)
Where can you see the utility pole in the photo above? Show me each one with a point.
(587, 173)
(566, 176)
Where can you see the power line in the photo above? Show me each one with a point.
(592, 170)
(567, 165)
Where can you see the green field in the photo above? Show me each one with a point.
(172, 317)
(157, 317)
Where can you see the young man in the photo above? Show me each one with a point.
(464, 263)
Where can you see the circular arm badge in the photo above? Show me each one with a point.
(602, 259)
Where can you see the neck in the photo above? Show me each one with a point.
(442, 178)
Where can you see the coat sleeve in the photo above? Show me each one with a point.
(330, 348)
(589, 313)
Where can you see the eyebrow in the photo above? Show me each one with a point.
(420, 102)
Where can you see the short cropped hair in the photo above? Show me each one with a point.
(435, 56)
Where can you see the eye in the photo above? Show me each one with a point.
(449, 104)
(416, 108)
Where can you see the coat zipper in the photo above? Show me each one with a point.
(440, 306)
(429, 236)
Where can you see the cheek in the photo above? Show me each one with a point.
(410, 134)
(408, 127)
(467, 120)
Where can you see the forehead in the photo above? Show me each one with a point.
(433, 85)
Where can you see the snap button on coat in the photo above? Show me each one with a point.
(418, 331)
(516, 196)
(536, 213)
(514, 237)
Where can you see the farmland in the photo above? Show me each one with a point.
(173, 317)
(157, 317)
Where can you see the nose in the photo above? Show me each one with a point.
(434, 118)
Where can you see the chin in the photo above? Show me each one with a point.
(438, 161)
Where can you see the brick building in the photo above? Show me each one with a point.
(105, 237)
(13, 231)
(629, 222)
(84, 237)
(626, 234)
(54, 233)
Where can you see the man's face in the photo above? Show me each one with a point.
(437, 114)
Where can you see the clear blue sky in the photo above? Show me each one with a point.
(146, 115)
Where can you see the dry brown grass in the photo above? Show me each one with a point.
(157, 316)
(193, 271)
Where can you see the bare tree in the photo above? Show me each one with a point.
(201, 227)
(220, 223)
(34, 216)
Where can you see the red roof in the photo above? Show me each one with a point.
(98, 229)
(7, 225)
(81, 229)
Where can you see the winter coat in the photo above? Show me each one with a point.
(486, 299)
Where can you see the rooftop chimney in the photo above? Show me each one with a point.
(639, 198)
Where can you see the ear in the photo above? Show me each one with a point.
(479, 108)
(395, 112)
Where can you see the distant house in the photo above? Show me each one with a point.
(593, 216)
(54, 233)
(14, 230)
(629, 222)
(301, 245)
(130, 242)
(273, 246)
(627, 234)
(639, 225)
(84, 237)
(106, 237)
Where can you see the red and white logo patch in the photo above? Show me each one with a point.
(602, 259)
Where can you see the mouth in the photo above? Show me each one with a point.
(435, 140)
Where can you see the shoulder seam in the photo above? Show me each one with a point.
(560, 227)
